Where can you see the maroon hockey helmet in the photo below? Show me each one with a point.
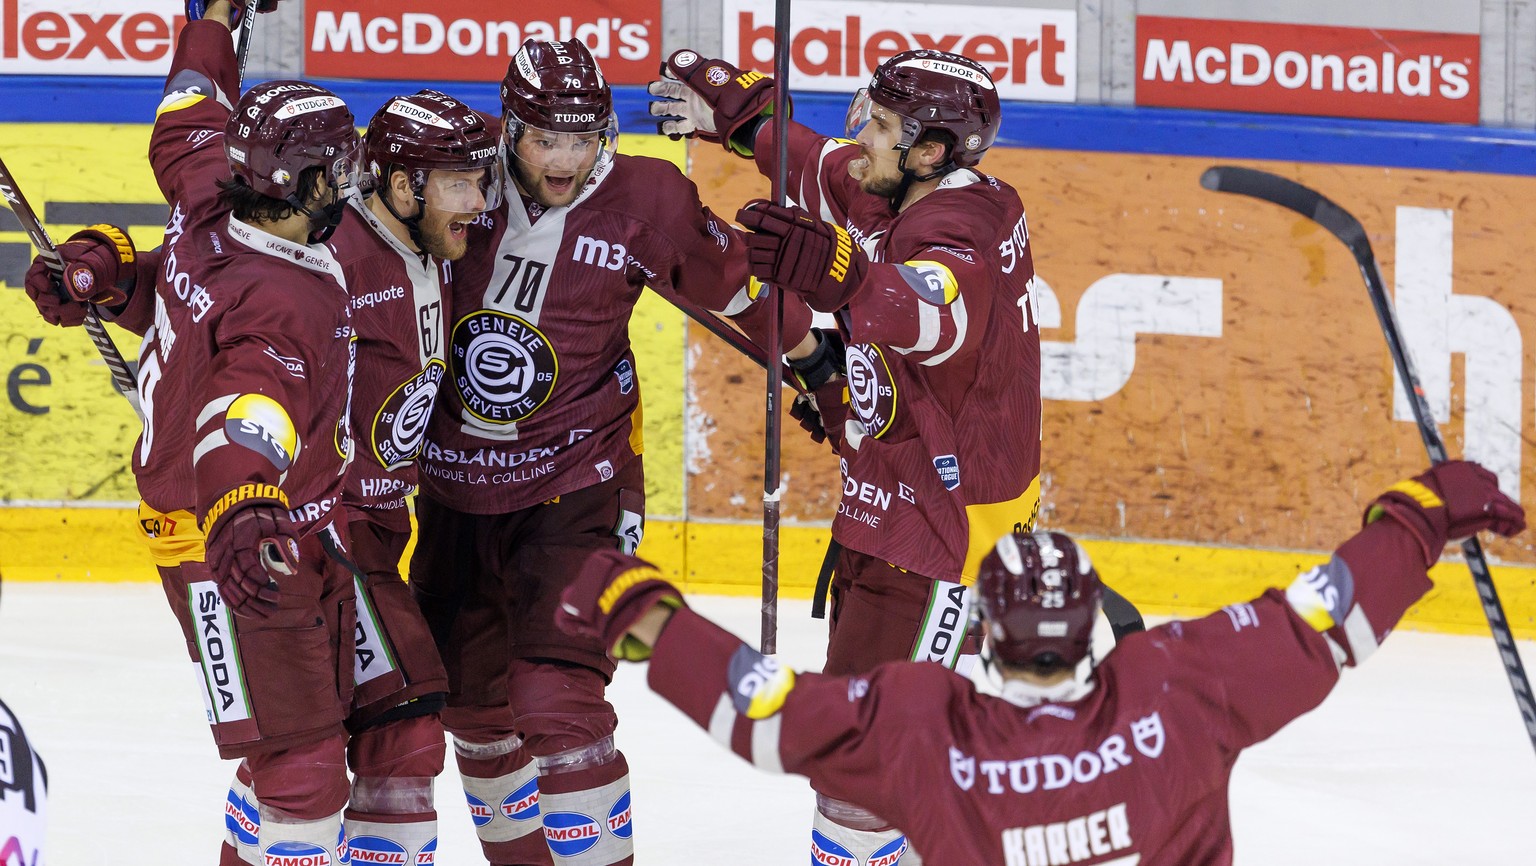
(431, 131)
(1039, 598)
(556, 86)
(280, 128)
(934, 90)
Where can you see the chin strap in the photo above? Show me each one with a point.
(908, 177)
(322, 221)
(413, 223)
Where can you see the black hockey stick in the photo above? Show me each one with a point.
(247, 31)
(1339, 223)
(122, 376)
(768, 642)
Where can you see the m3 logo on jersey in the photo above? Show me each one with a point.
(522, 804)
(503, 368)
(258, 422)
(619, 818)
(571, 833)
(871, 390)
(596, 251)
(400, 427)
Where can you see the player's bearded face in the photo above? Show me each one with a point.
(453, 199)
(878, 166)
(552, 167)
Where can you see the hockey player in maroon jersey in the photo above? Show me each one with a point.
(533, 455)
(924, 260)
(436, 166)
(244, 378)
(1079, 760)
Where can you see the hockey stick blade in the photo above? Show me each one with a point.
(122, 374)
(1290, 194)
(1343, 225)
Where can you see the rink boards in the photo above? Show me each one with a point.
(1218, 393)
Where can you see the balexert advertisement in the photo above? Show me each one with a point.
(835, 46)
(88, 37)
(1302, 69)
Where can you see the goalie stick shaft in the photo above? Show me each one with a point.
(122, 376)
(1343, 225)
(768, 642)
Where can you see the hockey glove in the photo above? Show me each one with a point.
(823, 413)
(794, 250)
(250, 547)
(98, 269)
(823, 384)
(611, 593)
(710, 99)
(1448, 502)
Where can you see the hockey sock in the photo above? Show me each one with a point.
(501, 783)
(843, 832)
(286, 841)
(584, 795)
(391, 816)
(242, 821)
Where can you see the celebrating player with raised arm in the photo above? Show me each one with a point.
(1079, 759)
(925, 262)
(244, 378)
(533, 455)
(436, 166)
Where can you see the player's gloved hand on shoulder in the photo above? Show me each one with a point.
(613, 591)
(98, 269)
(249, 548)
(710, 99)
(1448, 502)
(790, 248)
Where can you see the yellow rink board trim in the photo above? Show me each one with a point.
(101, 545)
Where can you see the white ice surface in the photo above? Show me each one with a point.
(1418, 758)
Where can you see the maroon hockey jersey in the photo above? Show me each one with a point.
(943, 363)
(1134, 772)
(245, 374)
(398, 310)
(543, 396)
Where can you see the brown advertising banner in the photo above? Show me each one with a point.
(1213, 371)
